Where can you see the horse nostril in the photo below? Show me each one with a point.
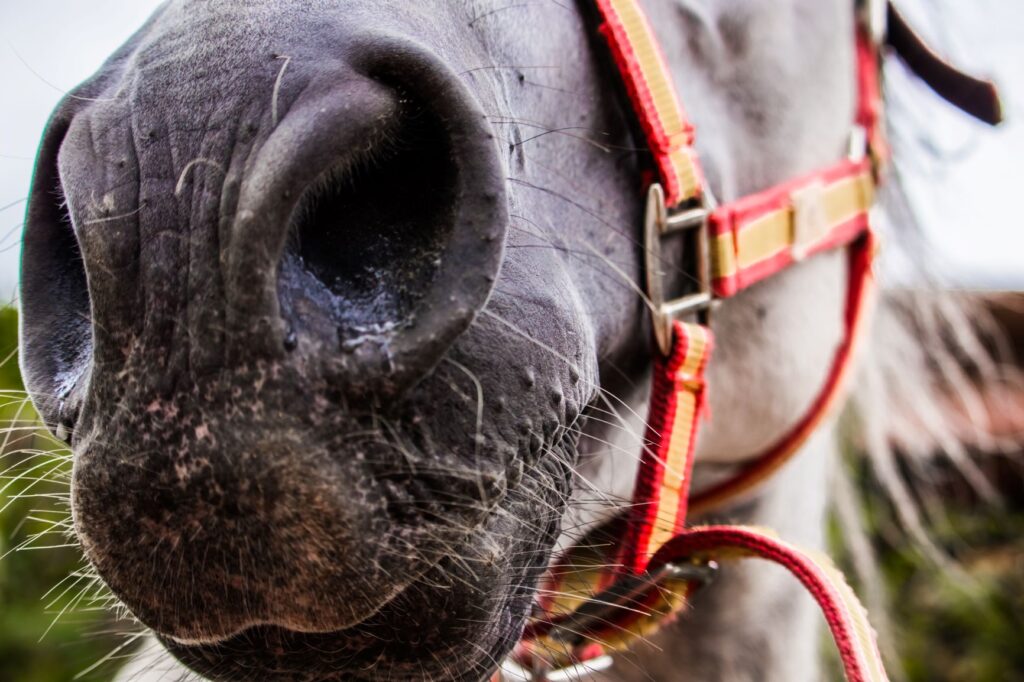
(372, 233)
(394, 246)
(55, 302)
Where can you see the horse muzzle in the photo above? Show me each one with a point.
(257, 286)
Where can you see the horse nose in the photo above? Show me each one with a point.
(348, 234)
(383, 196)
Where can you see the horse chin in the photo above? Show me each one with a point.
(454, 623)
(375, 649)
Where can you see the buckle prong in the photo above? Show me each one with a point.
(684, 220)
(658, 223)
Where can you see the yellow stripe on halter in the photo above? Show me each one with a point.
(658, 81)
(680, 441)
(668, 111)
(774, 232)
(685, 165)
(722, 248)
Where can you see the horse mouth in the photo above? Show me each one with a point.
(273, 650)
(375, 649)
(260, 631)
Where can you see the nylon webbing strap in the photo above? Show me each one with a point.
(859, 290)
(761, 234)
(602, 596)
(666, 463)
(599, 601)
(648, 83)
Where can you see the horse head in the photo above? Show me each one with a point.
(337, 305)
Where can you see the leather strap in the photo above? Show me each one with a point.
(973, 96)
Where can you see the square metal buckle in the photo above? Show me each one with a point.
(658, 223)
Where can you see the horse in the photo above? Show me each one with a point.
(337, 305)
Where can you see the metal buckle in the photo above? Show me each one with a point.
(513, 672)
(597, 612)
(657, 224)
(624, 594)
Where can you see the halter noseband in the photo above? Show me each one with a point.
(658, 561)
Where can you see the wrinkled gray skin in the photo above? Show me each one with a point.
(324, 302)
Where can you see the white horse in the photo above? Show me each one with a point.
(284, 427)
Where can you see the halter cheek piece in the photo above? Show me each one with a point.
(626, 580)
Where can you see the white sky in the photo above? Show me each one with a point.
(971, 207)
(971, 210)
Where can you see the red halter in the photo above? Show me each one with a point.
(736, 245)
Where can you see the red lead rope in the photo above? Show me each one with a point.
(846, 618)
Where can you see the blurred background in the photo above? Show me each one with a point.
(961, 619)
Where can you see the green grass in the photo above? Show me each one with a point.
(963, 622)
(35, 644)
